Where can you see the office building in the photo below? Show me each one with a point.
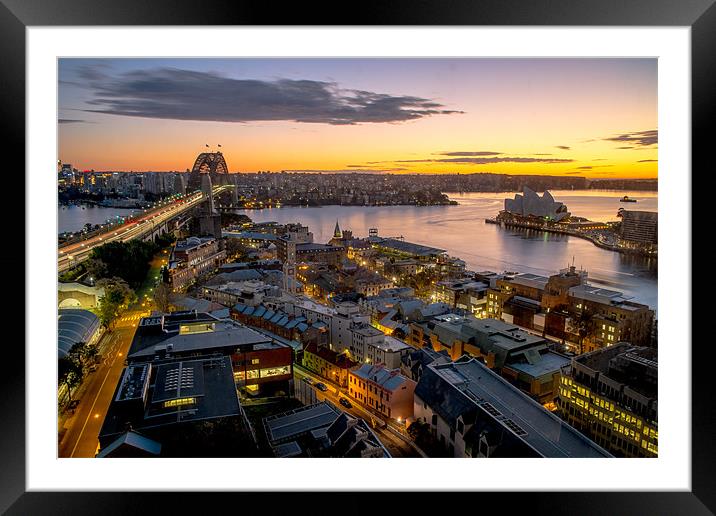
(611, 396)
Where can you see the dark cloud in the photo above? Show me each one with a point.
(542, 154)
(346, 171)
(600, 159)
(622, 148)
(413, 161)
(168, 93)
(506, 159)
(647, 160)
(638, 138)
(472, 153)
(71, 121)
(573, 172)
(563, 147)
(478, 160)
(590, 167)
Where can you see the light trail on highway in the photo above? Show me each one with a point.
(73, 254)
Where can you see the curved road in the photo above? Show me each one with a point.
(72, 254)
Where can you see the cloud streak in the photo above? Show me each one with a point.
(506, 159)
(470, 153)
(638, 138)
(168, 93)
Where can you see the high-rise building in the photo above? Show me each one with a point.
(640, 227)
(611, 396)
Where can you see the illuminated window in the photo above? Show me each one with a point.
(179, 402)
(274, 371)
(254, 360)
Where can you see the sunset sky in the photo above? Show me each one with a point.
(588, 117)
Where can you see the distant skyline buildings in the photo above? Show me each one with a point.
(595, 118)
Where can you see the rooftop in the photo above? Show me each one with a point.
(387, 379)
(598, 294)
(546, 364)
(530, 280)
(527, 419)
(288, 426)
(200, 333)
(74, 325)
(392, 344)
(178, 391)
(408, 247)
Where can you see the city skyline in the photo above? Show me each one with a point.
(566, 117)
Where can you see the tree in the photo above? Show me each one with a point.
(96, 268)
(162, 297)
(234, 248)
(72, 380)
(117, 296)
(90, 354)
(126, 260)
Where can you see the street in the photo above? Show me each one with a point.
(80, 438)
(397, 445)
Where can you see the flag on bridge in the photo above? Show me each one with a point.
(207, 144)
(219, 144)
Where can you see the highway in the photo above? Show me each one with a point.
(72, 254)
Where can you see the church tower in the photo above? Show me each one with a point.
(337, 232)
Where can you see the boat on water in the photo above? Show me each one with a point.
(626, 198)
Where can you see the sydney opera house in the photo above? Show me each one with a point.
(530, 205)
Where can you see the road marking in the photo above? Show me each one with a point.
(109, 370)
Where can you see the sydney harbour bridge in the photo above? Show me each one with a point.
(209, 178)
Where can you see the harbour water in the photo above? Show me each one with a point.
(461, 230)
(74, 217)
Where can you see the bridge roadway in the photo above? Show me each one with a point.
(72, 254)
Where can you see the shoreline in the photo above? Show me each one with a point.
(574, 233)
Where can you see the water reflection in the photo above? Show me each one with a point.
(462, 231)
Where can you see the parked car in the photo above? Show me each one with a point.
(345, 403)
(307, 380)
(321, 387)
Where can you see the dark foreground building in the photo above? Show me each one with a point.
(177, 408)
(470, 411)
(321, 430)
(260, 363)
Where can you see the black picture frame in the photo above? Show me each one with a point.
(699, 15)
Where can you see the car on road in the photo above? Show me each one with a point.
(307, 380)
(345, 403)
(321, 387)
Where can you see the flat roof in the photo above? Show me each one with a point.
(409, 247)
(290, 425)
(603, 295)
(548, 363)
(393, 344)
(537, 426)
(225, 334)
(134, 382)
(214, 395)
(177, 380)
(530, 280)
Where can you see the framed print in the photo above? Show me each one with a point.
(430, 236)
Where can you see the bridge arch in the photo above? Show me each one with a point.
(212, 163)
